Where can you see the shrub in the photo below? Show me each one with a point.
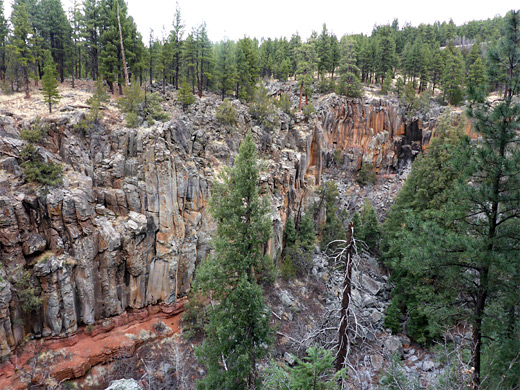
(366, 175)
(35, 169)
(185, 96)
(263, 109)
(28, 293)
(136, 103)
(284, 104)
(308, 110)
(226, 113)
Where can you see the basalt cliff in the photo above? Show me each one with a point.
(131, 221)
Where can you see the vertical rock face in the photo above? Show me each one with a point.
(131, 221)
(372, 131)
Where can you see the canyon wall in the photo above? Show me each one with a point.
(131, 220)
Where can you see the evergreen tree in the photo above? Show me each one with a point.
(386, 55)
(247, 68)
(176, 35)
(185, 95)
(238, 333)
(21, 41)
(324, 52)
(387, 83)
(90, 26)
(316, 371)
(368, 231)
(4, 30)
(49, 83)
(55, 32)
(453, 76)
(225, 68)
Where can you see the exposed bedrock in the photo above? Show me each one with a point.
(131, 221)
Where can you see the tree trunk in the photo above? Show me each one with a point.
(477, 334)
(125, 70)
(345, 301)
(26, 82)
(50, 108)
(301, 96)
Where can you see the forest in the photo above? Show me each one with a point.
(450, 242)
(86, 43)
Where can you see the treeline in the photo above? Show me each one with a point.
(85, 43)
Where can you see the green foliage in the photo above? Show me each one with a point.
(298, 246)
(424, 196)
(49, 83)
(285, 104)
(395, 377)
(137, 103)
(226, 113)
(399, 86)
(368, 230)
(195, 317)
(333, 228)
(27, 290)
(238, 332)
(185, 96)
(386, 87)
(393, 317)
(366, 175)
(308, 110)
(36, 132)
(35, 169)
(96, 101)
(316, 371)
(263, 109)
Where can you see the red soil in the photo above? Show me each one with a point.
(60, 359)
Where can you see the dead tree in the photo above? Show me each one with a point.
(343, 339)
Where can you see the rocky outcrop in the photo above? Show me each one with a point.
(131, 221)
(374, 131)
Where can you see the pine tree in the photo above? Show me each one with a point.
(90, 26)
(50, 84)
(369, 231)
(494, 170)
(324, 52)
(21, 41)
(4, 30)
(225, 68)
(247, 68)
(453, 76)
(238, 333)
(176, 35)
(56, 32)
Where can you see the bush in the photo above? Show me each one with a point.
(35, 169)
(393, 317)
(226, 113)
(195, 317)
(136, 103)
(308, 110)
(285, 104)
(185, 95)
(28, 293)
(263, 109)
(366, 175)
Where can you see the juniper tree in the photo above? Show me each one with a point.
(238, 332)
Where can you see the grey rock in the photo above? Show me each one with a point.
(376, 361)
(370, 284)
(289, 358)
(124, 384)
(428, 365)
(393, 345)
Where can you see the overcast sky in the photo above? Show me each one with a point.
(234, 19)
